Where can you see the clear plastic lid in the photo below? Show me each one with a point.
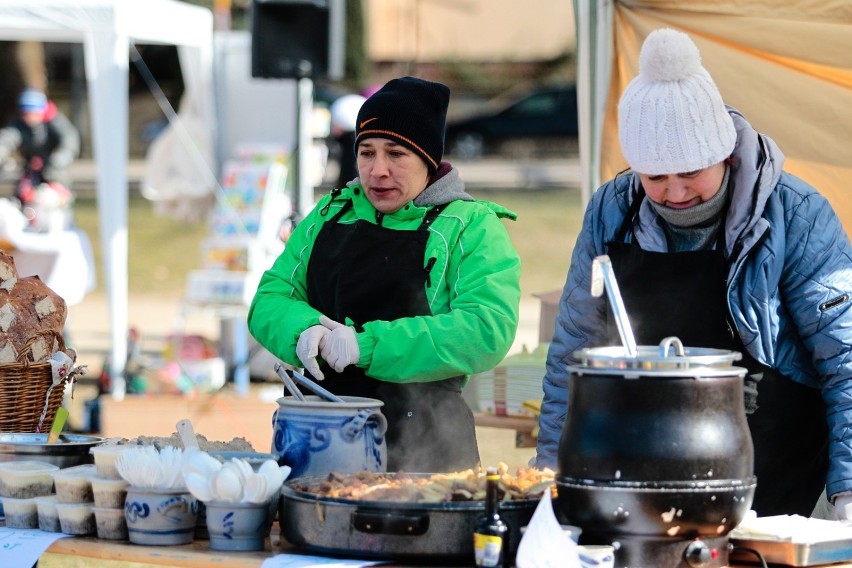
(20, 468)
(77, 471)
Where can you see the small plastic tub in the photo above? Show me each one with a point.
(73, 484)
(20, 513)
(111, 523)
(105, 456)
(76, 518)
(109, 493)
(26, 479)
(48, 519)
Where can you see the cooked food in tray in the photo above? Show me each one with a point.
(467, 485)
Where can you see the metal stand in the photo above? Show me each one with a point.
(304, 195)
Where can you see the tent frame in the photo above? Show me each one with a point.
(106, 28)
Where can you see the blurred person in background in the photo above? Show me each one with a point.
(344, 115)
(398, 286)
(712, 242)
(46, 142)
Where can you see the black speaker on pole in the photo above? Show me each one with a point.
(297, 38)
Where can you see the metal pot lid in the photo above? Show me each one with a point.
(669, 355)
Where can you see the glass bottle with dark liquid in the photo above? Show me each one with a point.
(491, 538)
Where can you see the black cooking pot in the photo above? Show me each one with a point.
(435, 532)
(656, 453)
(656, 417)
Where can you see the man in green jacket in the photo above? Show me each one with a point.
(400, 285)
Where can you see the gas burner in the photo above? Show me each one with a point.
(661, 552)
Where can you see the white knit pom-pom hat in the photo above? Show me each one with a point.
(671, 117)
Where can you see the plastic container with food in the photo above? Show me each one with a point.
(105, 456)
(26, 479)
(73, 484)
(20, 513)
(76, 518)
(111, 523)
(109, 493)
(48, 518)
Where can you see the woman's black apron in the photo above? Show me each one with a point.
(683, 294)
(366, 272)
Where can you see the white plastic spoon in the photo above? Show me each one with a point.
(199, 486)
(273, 475)
(255, 490)
(228, 486)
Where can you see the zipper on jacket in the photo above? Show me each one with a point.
(429, 264)
(379, 218)
(833, 303)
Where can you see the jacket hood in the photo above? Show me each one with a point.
(446, 188)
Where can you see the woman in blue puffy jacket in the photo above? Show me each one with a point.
(713, 242)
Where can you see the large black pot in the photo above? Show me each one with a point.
(438, 532)
(656, 452)
(656, 417)
(654, 428)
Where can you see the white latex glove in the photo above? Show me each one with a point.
(339, 348)
(843, 507)
(308, 347)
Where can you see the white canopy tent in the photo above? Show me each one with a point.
(786, 64)
(106, 28)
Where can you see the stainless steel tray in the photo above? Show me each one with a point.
(68, 451)
(793, 553)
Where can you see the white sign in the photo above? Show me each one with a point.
(23, 547)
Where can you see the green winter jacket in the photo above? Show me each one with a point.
(474, 293)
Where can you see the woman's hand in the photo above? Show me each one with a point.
(308, 347)
(339, 348)
(843, 507)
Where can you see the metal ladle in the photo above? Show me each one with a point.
(315, 388)
(603, 276)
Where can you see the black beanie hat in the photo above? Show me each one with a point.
(410, 111)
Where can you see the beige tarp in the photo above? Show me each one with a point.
(785, 64)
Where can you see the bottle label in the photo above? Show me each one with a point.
(487, 549)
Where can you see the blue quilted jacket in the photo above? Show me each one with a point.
(789, 288)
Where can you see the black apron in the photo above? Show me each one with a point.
(683, 294)
(366, 272)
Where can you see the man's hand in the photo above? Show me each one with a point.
(339, 347)
(308, 347)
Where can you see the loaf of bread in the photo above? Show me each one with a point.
(27, 306)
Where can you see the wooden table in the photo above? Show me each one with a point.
(80, 552)
(86, 552)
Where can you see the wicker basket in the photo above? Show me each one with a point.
(24, 387)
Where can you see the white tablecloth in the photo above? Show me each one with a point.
(63, 260)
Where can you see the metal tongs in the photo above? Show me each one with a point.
(305, 382)
(602, 275)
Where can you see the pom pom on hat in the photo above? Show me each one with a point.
(669, 56)
(671, 117)
(32, 100)
(410, 111)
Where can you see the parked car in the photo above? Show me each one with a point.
(544, 115)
